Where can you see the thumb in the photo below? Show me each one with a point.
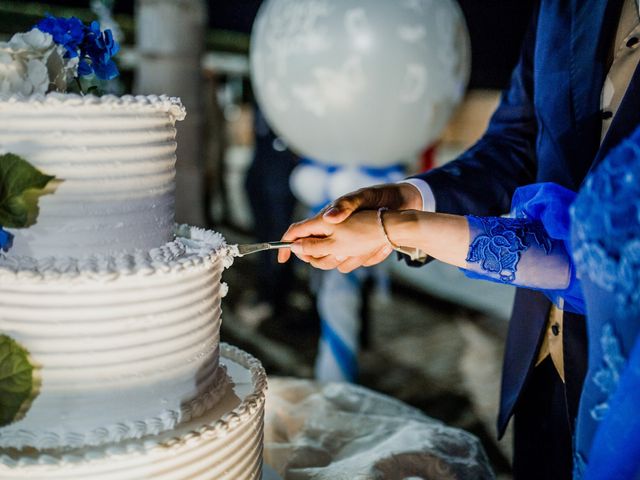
(342, 208)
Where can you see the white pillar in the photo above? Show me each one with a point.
(170, 42)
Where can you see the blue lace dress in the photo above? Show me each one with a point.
(606, 252)
(585, 258)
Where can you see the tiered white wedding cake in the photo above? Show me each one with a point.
(118, 309)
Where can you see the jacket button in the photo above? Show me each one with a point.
(555, 329)
(632, 42)
(606, 114)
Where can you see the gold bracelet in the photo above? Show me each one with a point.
(381, 210)
(414, 253)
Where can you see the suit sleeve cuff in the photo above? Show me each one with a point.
(428, 199)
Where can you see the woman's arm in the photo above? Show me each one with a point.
(507, 250)
(365, 232)
(442, 236)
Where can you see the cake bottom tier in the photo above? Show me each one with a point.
(223, 444)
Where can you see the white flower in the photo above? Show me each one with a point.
(34, 41)
(38, 75)
(32, 63)
(20, 74)
(13, 74)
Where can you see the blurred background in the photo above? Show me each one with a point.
(427, 336)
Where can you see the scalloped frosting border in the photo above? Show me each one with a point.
(191, 248)
(249, 406)
(119, 432)
(161, 103)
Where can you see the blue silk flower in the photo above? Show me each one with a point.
(94, 47)
(6, 240)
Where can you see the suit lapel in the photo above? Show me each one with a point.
(590, 35)
(625, 121)
(592, 29)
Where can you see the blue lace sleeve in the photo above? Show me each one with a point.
(615, 451)
(531, 250)
(518, 252)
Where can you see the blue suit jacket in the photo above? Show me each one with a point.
(546, 129)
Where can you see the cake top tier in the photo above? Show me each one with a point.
(113, 159)
(142, 103)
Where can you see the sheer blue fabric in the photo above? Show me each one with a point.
(602, 232)
(615, 452)
(530, 249)
(606, 252)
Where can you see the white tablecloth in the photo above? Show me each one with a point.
(345, 432)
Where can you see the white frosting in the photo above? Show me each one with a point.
(224, 444)
(128, 345)
(120, 319)
(115, 157)
(192, 246)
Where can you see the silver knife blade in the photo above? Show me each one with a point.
(248, 248)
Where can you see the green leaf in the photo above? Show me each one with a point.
(17, 385)
(21, 185)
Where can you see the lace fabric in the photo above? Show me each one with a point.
(531, 249)
(501, 242)
(615, 449)
(606, 233)
(608, 374)
(606, 252)
(602, 232)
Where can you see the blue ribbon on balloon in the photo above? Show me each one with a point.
(344, 355)
(379, 174)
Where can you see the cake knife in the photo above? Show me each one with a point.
(248, 248)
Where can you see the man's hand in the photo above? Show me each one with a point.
(394, 196)
(358, 241)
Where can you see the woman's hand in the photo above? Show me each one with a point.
(357, 241)
(394, 196)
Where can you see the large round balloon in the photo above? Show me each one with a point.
(310, 184)
(359, 82)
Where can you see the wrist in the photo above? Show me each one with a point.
(401, 227)
(411, 196)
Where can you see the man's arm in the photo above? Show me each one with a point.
(516, 251)
(482, 180)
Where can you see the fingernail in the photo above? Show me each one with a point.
(341, 259)
(296, 248)
(331, 212)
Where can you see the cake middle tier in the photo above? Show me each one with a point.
(113, 159)
(122, 346)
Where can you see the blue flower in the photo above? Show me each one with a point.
(100, 47)
(6, 240)
(104, 42)
(68, 32)
(94, 48)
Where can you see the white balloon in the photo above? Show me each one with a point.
(359, 82)
(347, 180)
(310, 184)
